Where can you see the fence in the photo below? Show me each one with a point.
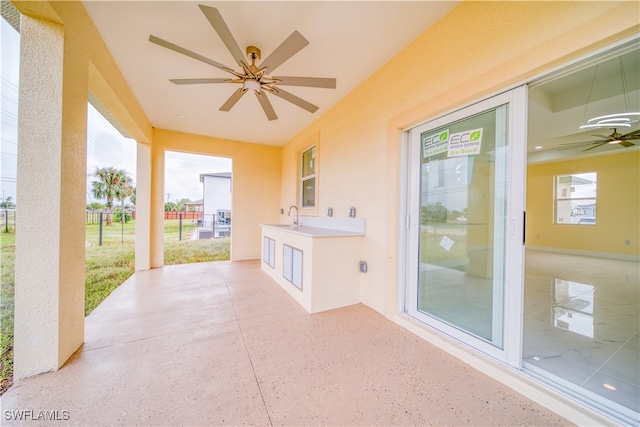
(183, 215)
(203, 226)
(8, 220)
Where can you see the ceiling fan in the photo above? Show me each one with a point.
(253, 77)
(616, 138)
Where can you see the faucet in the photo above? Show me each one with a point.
(295, 221)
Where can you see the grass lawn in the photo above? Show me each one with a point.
(107, 266)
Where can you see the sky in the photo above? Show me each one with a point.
(105, 145)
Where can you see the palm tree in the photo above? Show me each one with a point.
(111, 184)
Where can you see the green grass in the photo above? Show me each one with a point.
(7, 260)
(107, 267)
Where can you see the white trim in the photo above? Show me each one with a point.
(594, 254)
(510, 293)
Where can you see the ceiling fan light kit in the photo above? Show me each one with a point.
(252, 77)
(612, 121)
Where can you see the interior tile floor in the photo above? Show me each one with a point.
(582, 323)
(222, 344)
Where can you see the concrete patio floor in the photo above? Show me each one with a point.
(222, 344)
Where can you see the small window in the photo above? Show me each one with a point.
(575, 198)
(308, 178)
(224, 217)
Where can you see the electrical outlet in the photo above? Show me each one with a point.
(627, 242)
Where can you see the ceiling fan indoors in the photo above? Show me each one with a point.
(253, 77)
(616, 138)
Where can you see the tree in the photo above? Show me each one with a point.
(95, 206)
(125, 190)
(111, 184)
(181, 205)
(169, 207)
(7, 203)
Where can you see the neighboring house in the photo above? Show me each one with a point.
(478, 79)
(195, 206)
(216, 196)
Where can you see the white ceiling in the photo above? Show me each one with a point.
(347, 41)
(558, 107)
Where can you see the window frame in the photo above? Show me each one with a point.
(558, 198)
(304, 178)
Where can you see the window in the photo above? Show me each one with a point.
(308, 178)
(575, 198)
(224, 217)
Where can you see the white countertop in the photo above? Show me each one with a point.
(312, 231)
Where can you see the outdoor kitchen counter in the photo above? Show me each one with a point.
(319, 267)
(309, 231)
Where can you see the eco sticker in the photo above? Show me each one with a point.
(465, 143)
(435, 143)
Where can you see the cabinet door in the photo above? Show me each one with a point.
(287, 262)
(297, 268)
(292, 265)
(269, 251)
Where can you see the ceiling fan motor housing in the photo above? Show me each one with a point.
(253, 53)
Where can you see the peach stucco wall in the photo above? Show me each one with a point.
(478, 49)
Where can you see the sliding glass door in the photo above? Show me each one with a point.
(465, 203)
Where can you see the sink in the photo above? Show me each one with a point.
(283, 225)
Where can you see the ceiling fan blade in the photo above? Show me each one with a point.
(235, 97)
(218, 24)
(578, 144)
(596, 146)
(197, 81)
(626, 144)
(295, 100)
(322, 82)
(634, 134)
(187, 52)
(292, 45)
(266, 106)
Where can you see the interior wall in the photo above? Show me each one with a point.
(451, 64)
(255, 183)
(617, 206)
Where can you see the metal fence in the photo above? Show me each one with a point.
(206, 226)
(192, 225)
(8, 220)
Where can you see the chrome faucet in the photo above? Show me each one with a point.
(295, 221)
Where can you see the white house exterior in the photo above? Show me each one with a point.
(216, 194)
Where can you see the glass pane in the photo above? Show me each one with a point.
(309, 193)
(309, 162)
(576, 199)
(462, 224)
(581, 211)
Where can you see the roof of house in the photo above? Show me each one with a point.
(196, 202)
(215, 174)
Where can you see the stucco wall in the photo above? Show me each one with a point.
(477, 49)
(256, 183)
(617, 209)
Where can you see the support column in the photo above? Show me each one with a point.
(51, 192)
(157, 206)
(143, 207)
